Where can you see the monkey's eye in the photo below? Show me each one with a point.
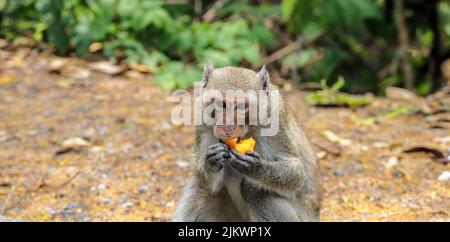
(220, 104)
(241, 106)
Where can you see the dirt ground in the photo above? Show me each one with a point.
(96, 144)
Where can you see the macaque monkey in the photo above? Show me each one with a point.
(278, 181)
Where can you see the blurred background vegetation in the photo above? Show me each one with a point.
(372, 44)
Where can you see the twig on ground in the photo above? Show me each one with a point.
(8, 199)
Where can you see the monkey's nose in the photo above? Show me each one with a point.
(228, 130)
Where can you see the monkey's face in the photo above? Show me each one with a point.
(231, 119)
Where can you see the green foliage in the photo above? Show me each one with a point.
(355, 39)
(397, 112)
(149, 32)
(359, 38)
(330, 96)
(344, 26)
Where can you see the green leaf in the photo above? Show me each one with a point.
(3, 4)
(288, 7)
(338, 85)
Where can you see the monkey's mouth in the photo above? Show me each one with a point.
(239, 139)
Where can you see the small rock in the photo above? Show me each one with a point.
(321, 154)
(6, 219)
(105, 200)
(90, 132)
(52, 211)
(71, 206)
(127, 147)
(398, 174)
(122, 201)
(393, 161)
(144, 156)
(127, 205)
(84, 217)
(67, 213)
(97, 149)
(359, 169)
(182, 164)
(445, 176)
(338, 172)
(143, 189)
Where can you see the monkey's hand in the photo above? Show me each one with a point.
(245, 164)
(284, 177)
(216, 156)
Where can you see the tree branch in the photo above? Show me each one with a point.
(404, 44)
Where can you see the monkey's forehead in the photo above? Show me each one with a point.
(233, 78)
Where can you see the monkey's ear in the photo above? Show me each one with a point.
(207, 71)
(265, 78)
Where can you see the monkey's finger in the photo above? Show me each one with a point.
(216, 150)
(238, 164)
(253, 154)
(218, 145)
(219, 156)
(237, 161)
(226, 154)
(241, 156)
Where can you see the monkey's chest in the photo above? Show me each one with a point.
(232, 182)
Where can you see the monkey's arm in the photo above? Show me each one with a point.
(208, 165)
(285, 176)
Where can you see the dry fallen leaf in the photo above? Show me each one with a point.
(66, 83)
(75, 142)
(397, 93)
(57, 64)
(400, 94)
(107, 67)
(80, 73)
(3, 43)
(96, 46)
(335, 138)
(140, 68)
(134, 75)
(7, 79)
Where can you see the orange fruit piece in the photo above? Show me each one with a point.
(243, 146)
(232, 143)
